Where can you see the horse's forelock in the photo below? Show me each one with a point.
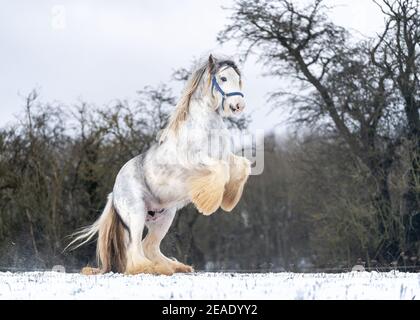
(227, 63)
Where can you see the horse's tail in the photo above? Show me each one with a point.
(110, 247)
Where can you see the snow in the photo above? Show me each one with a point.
(354, 285)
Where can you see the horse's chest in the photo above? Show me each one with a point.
(214, 142)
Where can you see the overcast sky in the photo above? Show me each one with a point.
(98, 51)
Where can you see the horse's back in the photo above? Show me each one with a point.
(130, 186)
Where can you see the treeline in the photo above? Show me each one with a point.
(311, 209)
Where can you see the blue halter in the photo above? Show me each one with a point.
(224, 94)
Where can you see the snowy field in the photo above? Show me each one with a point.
(355, 285)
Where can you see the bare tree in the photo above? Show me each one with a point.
(397, 54)
(341, 91)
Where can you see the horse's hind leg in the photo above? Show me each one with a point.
(137, 262)
(151, 243)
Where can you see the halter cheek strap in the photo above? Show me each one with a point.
(225, 95)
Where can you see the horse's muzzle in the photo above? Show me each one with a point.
(237, 107)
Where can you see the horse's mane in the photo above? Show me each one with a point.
(182, 108)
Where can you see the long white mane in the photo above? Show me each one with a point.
(182, 108)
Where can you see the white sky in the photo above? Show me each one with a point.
(103, 50)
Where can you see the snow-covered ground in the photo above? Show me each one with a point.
(355, 285)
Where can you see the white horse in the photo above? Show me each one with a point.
(178, 169)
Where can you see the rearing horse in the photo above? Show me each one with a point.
(178, 169)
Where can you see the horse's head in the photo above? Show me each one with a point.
(219, 82)
(226, 86)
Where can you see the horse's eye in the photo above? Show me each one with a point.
(223, 79)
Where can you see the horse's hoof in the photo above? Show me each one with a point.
(183, 268)
(88, 271)
(163, 269)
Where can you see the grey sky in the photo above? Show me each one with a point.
(102, 50)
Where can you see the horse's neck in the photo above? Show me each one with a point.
(202, 114)
(201, 126)
(204, 128)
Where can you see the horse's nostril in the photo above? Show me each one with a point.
(236, 107)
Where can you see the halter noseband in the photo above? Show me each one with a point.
(225, 95)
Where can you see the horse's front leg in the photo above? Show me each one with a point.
(240, 168)
(207, 186)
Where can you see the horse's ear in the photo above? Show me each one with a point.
(212, 63)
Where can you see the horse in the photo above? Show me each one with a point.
(179, 168)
